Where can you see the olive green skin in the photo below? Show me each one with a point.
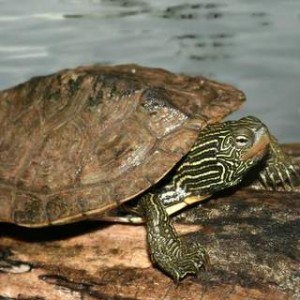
(79, 142)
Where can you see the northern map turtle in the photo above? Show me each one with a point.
(78, 143)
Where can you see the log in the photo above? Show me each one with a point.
(252, 236)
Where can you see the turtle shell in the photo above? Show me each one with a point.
(79, 142)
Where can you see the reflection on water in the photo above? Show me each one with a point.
(252, 44)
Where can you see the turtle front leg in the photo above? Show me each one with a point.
(167, 250)
(279, 168)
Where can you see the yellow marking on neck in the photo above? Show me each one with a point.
(194, 199)
(186, 202)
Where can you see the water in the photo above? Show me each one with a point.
(254, 45)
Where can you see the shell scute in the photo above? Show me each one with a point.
(28, 209)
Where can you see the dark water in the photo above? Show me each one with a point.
(254, 45)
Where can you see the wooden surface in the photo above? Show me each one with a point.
(252, 237)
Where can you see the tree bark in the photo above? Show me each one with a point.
(252, 236)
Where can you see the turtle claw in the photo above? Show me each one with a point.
(272, 180)
(263, 180)
(294, 172)
(289, 179)
(288, 176)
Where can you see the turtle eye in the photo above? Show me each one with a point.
(242, 141)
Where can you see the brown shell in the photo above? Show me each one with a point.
(78, 142)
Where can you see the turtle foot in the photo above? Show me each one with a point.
(279, 169)
(167, 250)
(280, 173)
(181, 261)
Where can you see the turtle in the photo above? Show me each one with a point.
(78, 143)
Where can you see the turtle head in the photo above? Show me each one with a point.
(222, 154)
(246, 142)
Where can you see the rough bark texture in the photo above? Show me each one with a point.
(252, 237)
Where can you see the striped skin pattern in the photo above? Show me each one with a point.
(215, 161)
(175, 258)
(221, 156)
